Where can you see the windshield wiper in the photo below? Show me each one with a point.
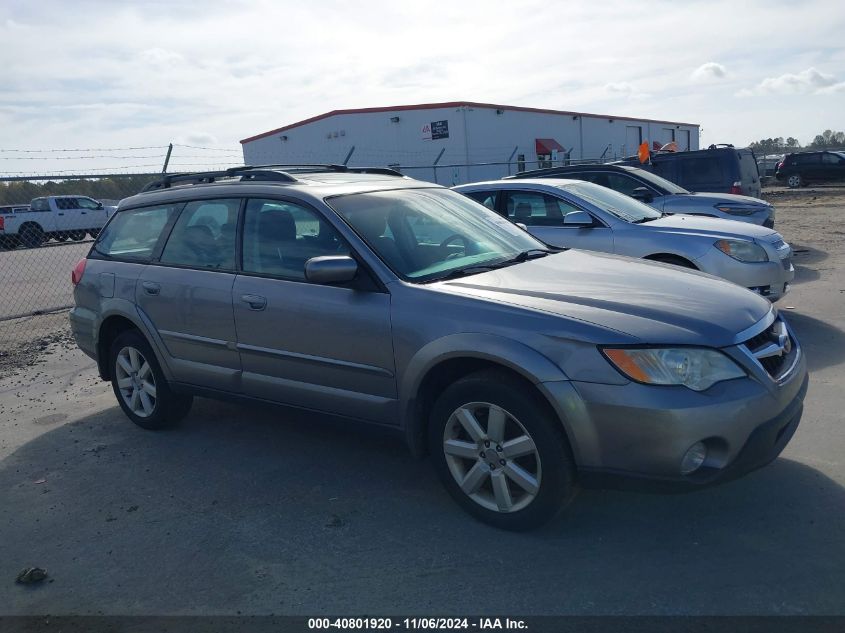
(642, 220)
(534, 253)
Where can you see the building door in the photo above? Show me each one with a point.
(633, 138)
(668, 135)
(683, 141)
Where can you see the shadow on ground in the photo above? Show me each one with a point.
(804, 259)
(824, 344)
(256, 511)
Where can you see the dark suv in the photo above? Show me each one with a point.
(803, 167)
(717, 169)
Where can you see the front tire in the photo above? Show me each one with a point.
(140, 386)
(32, 236)
(500, 452)
(794, 181)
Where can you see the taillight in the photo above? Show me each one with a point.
(779, 165)
(2, 223)
(78, 270)
(737, 187)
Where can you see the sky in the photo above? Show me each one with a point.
(108, 76)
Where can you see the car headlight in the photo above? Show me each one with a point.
(734, 210)
(695, 367)
(743, 250)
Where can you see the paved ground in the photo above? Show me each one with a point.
(265, 511)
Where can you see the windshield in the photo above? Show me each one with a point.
(613, 202)
(659, 181)
(429, 234)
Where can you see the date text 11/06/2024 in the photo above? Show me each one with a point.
(481, 624)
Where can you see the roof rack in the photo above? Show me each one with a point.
(271, 173)
(330, 167)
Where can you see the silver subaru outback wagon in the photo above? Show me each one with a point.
(523, 370)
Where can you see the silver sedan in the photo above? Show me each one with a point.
(578, 214)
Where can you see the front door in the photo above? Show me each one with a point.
(321, 347)
(187, 295)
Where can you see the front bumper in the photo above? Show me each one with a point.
(769, 279)
(635, 436)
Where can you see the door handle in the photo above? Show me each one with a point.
(151, 288)
(60, 214)
(255, 302)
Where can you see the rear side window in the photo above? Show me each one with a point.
(807, 159)
(204, 235)
(487, 198)
(700, 171)
(134, 234)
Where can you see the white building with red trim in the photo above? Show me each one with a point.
(461, 141)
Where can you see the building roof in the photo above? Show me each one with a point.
(452, 104)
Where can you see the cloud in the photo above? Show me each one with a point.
(624, 89)
(808, 81)
(198, 138)
(711, 71)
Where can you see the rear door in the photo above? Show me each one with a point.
(321, 347)
(187, 295)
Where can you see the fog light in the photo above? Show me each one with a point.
(693, 458)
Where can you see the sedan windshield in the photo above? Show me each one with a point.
(431, 234)
(617, 204)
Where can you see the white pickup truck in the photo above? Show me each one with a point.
(53, 217)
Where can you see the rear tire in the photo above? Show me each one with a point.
(77, 235)
(794, 181)
(32, 236)
(139, 384)
(500, 452)
(94, 233)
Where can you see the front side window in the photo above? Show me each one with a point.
(279, 237)
(87, 203)
(537, 209)
(204, 235)
(426, 234)
(133, 234)
(625, 184)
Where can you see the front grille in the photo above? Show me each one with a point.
(773, 348)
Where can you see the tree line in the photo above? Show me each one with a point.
(826, 140)
(22, 191)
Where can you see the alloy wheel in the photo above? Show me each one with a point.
(492, 457)
(136, 382)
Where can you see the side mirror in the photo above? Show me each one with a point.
(642, 194)
(330, 269)
(578, 218)
(100, 206)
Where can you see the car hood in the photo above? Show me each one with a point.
(713, 198)
(714, 227)
(631, 300)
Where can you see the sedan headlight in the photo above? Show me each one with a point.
(737, 210)
(695, 367)
(743, 250)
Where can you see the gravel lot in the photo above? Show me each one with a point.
(258, 511)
